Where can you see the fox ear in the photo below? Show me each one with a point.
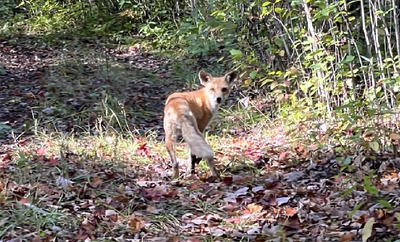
(231, 77)
(204, 77)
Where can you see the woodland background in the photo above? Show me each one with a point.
(307, 142)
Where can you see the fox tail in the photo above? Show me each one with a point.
(196, 141)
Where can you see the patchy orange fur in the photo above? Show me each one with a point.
(189, 113)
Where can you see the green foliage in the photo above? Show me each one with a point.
(369, 187)
(318, 60)
(5, 130)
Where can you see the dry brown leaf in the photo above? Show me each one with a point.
(36, 239)
(254, 208)
(96, 182)
(388, 220)
(237, 179)
(228, 207)
(112, 215)
(290, 211)
(136, 224)
(88, 226)
(346, 237)
(394, 136)
(81, 235)
(173, 239)
(194, 239)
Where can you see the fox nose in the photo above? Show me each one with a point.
(219, 100)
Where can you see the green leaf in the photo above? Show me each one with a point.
(348, 59)
(371, 189)
(236, 53)
(265, 81)
(385, 203)
(348, 191)
(347, 161)
(278, 10)
(397, 216)
(121, 4)
(253, 74)
(374, 145)
(367, 230)
(330, 58)
(358, 206)
(266, 3)
(317, 66)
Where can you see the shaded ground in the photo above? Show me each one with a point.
(46, 83)
(89, 165)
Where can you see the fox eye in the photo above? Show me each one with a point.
(212, 89)
(224, 89)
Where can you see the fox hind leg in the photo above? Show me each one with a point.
(170, 140)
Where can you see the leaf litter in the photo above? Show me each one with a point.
(270, 191)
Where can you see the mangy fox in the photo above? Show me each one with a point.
(189, 113)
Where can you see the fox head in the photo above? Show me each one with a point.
(217, 88)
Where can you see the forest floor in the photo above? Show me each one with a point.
(82, 158)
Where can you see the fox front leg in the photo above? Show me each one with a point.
(213, 170)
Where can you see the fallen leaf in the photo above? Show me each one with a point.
(194, 240)
(112, 215)
(283, 156)
(253, 231)
(237, 179)
(241, 191)
(347, 237)
(257, 189)
(254, 208)
(228, 207)
(63, 182)
(136, 224)
(96, 182)
(282, 200)
(374, 146)
(293, 176)
(394, 136)
(41, 151)
(192, 186)
(290, 211)
(143, 150)
(270, 229)
(367, 230)
(53, 160)
(81, 235)
(227, 180)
